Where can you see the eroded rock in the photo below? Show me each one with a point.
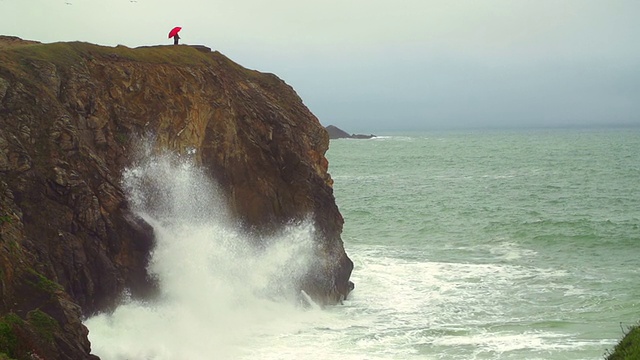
(70, 114)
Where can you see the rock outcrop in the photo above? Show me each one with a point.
(70, 114)
(337, 133)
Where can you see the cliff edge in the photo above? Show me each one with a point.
(70, 114)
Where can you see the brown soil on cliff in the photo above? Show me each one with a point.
(70, 115)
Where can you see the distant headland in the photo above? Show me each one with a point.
(337, 133)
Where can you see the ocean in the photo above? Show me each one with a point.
(467, 245)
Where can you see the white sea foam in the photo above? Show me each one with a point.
(217, 290)
(476, 282)
(420, 308)
(510, 251)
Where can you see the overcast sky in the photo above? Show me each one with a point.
(378, 65)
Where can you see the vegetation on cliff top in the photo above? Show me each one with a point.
(629, 347)
(70, 53)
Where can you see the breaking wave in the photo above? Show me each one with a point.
(217, 289)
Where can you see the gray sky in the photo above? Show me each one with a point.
(379, 65)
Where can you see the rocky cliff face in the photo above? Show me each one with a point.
(70, 114)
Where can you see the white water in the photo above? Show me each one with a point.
(222, 298)
(217, 290)
(449, 263)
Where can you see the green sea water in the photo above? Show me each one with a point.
(491, 244)
(466, 245)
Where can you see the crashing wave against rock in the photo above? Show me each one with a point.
(71, 115)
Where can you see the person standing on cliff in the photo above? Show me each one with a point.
(174, 34)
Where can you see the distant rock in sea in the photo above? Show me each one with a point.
(337, 133)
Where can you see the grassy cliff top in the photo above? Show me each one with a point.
(14, 50)
(65, 53)
(629, 347)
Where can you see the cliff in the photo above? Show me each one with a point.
(70, 114)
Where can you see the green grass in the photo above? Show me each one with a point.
(629, 347)
(67, 54)
(70, 53)
(11, 325)
(8, 338)
(43, 283)
(121, 138)
(44, 324)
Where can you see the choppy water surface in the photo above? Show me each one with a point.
(477, 245)
(495, 245)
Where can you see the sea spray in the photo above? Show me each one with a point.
(217, 289)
